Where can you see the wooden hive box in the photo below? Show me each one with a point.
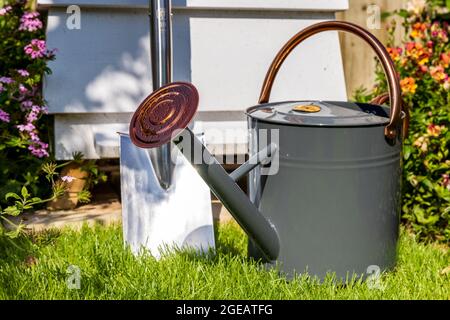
(102, 70)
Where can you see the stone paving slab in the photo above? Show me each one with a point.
(106, 212)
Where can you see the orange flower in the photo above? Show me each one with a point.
(403, 61)
(418, 30)
(418, 52)
(410, 46)
(421, 143)
(424, 69)
(434, 130)
(408, 85)
(438, 73)
(445, 60)
(395, 53)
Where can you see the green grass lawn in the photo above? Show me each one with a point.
(35, 267)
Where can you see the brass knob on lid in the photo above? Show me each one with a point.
(307, 108)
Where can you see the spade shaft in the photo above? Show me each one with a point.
(161, 57)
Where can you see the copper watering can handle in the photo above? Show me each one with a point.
(383, 98)
(390, 130)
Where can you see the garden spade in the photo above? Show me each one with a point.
(165, 203)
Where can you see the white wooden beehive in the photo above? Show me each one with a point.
(224, 47)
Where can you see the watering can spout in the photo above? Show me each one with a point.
(145, 132)
(247, 215)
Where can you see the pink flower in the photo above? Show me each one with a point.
(36, 109)
(25, 105)
(36, 49)
(4, 116)
(39, 149)
(32, 116)
(22, 89)
(446, 85)
(34, 113)
(26, 127)
(446, 181)
(68, 179)
(6, 80)
(5, 10)
(23, 73)
(34, 136)
(30, 22)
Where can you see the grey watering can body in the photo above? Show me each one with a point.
(332, 204)
(335, 199)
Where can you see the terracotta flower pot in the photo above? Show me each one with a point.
(70, 198)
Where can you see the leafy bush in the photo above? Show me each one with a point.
(28, 176)
(423, 64)
(23, 125)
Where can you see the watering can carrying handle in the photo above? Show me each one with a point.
(391, 128)
(383, 98)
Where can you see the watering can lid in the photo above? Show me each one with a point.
(321, 113)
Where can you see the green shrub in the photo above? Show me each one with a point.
(423, 63)
(26, 173)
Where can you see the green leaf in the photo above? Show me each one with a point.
(403, 13)
(428, 184)
(25, 193)
(16, 142)
(12, 195)
(84, 196)
(447, 4)
(12, 211)
(385, 15)
(430, 220)
(407, 152)
(17, 230)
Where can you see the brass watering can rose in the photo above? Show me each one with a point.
(391, 128)
(162, 113)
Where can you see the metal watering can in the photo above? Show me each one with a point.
(333, 205)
